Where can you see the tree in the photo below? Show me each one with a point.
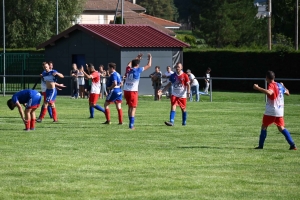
(231, 22)
(160, 8)
(31, 22)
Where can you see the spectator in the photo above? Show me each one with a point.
(74, 81)
(194, 85)
(206, 79)
(102, 81)
(81, 82)
(156, 82)
(167, 76)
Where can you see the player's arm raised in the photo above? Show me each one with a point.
(287, 92)
(149, 62)
(265, 91)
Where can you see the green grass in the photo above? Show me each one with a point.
(210, 158)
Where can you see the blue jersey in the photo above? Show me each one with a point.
(133, 79)
(48, 76)
(115, 76)
(30, 97)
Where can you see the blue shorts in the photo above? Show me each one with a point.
(115, 95)
(51, 95)
(35, 100)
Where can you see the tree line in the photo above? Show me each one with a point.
(220, 23)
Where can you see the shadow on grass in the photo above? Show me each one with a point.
(208, 147)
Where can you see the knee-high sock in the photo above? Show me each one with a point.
(262, 137)
(27, 124)
(32, 124)
(99, 108)
(54, 114)
(44, 111)
(50, 111)
(107, 114)
(92, 111)
(184, 117)
(288, 137)
(120, 115)
(172, 116)
(131, 122)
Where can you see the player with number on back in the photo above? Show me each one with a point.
(131, 87)
(181, 90)
(113, 84)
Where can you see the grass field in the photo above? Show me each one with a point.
(210, 158)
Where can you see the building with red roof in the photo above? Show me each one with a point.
(104, 43)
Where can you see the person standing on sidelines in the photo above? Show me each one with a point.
(114, 84)
(181, 90)
(194, 85)
(31, 99)
(81, 82)
(74, 81)
(206, 80)
(274, 110)
(156, 82)
(94, 76)
(131, 87)
(167, 75)
(51, 91)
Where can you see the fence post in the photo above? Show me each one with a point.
(210, 88)
(266, 87)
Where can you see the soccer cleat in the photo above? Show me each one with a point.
(91, 117)
(39, 120)
(133, 128)
(183, 124)
(258, 147)
(32, 129)
(26, 129)
(107, 122)
(293, 147)
(120, 123)
(54, 121)
(169, 124)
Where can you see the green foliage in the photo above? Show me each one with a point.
(210, 158)
(29, 23)
(282, 44)
(160, 8)
(119, 20)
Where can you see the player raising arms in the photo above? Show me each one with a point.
(49, 77)
(131, 87)
(114, 93)
(31, 99)
(181, 90)
(95, 88)
(274, 110)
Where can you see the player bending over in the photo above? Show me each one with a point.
(31, 99)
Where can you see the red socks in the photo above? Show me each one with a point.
(107, 114)
(54, 114)
(120, 115)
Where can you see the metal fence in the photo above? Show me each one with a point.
(20, 65)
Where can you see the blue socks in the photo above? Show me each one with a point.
(262, 137)
(131, 122)
(49, 111)
(172, 116)
(288, 137)
(184, 117)
(92, 112)
(100, 108)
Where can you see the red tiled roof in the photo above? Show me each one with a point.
(119, 35)
(160, 21)
(110, 6)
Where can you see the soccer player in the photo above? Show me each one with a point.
(95, 89)
(114, 83)
(274, 110)
(43, 88)
(131, 87)
(181, 90)
(31, 100)
(51, 91)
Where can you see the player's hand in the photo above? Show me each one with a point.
(188, 95)
(54, 74)
(255, 86)
(282, 84)
(159, 92)
(25, 121)
(149, 56)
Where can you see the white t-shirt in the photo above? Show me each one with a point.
(275, 102)
(133, 79)
(193, 80)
